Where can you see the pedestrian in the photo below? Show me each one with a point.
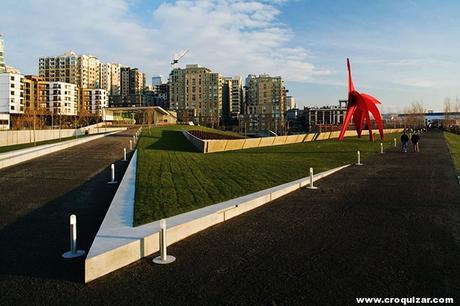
(415, 139)
(404, 141)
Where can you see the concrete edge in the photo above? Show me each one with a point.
(11, 158)
(203, 145)
(118, 244)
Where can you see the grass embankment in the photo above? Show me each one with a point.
(173, 178)
(38, 143)
(453, 140)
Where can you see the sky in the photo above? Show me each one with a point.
(401, 51)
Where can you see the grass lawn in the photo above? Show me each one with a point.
(172, 177)
(453, 140)
(39, 143)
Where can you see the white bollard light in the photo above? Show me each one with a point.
(359, 159)
(134, 139)
(124, 154)
(113, 174)
(164, 258)
(311, 180)
(394, 140)
(130, 144)
(381, 148)
(73, 240)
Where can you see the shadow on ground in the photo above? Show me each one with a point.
(170, 141)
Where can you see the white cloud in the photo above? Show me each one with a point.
(228, 36)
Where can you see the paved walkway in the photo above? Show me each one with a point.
(37, 198)
(390, 228)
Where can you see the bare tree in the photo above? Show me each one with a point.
(447, 111)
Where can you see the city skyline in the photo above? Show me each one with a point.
(304, 42)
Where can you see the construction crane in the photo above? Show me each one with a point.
(178, 56)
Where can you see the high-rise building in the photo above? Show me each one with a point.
(232, 98)
(62, 98)
(81, 70)
(64, 68)
(157, 80)
(264, 104)
(96, 99)
(2, 56)
(196, 94)
(157, 96)
(132, 84)
(33, 89)
(11, 93)
(290, 103)
(110, 77)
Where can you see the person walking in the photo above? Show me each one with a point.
(415, 139)
(404, 141)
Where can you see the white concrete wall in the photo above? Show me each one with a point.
(221, 145)
(118, 243)
(14, 157)
(14, 137)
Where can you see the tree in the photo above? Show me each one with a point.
(447, 111)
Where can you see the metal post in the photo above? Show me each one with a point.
(359, 159)
(164, 258)
(124, 154)
(394, 140)
(311, 180)
(381, 148)
(73, 240)
(113, 175)
(130, 144)
(134, 139)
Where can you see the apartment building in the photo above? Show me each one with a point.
(96, 99)
(232, 98)
(81, 70)
(110, 77)
(11, 93)
(290, 103)
(195, 92)
(62, 98)
(132, 84)
(35, 92)
(2, 55)
(264, 104)
(157, 80)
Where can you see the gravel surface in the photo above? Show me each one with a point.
(390, 228)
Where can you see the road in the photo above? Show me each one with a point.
(390, 228)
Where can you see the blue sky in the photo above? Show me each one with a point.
(400, 51)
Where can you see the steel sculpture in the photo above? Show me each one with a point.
(358, 108)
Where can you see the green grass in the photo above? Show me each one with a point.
(453, 140)
(173, 178)
(29, 145)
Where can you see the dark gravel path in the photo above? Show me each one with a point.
(36, 200)
(390, 228)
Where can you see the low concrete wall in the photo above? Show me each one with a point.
(13, 137)
(18, 156)
(212, 146)
(197, 142)
(118, 243)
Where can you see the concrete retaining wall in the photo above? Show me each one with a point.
(197, 142)
(12, 137)
(18, 156)
(212, 146)
(118, 243)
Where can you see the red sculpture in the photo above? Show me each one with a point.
(359, 106)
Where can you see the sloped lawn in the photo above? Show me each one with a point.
(172, 177)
